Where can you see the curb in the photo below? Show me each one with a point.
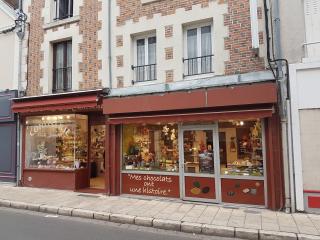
(187, 227)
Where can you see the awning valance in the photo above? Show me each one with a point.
(79, 102)
(241, 114)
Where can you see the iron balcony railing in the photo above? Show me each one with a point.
(144, 73)
(62, 79)
(198, 65)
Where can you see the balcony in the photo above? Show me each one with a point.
(198, 65)
(144, 73)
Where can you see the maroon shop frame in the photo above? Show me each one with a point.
(238, 102)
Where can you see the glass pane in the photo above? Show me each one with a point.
(56, 141)
(63, 8)
(151, 70)
(150, 147)
(59, 65)
(140, 52)
(192, 51)
(198, 151)
(206, 50)
(241, 150)
(68, 83)
(140, 76)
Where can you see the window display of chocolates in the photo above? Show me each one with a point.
(150, 147)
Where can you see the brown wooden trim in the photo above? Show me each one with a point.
(107, 160)
(275, 178)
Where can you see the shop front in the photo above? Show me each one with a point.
(63, 141)
(222, 147)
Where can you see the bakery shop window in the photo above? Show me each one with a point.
(57, 141)
(241, 148)
(150, 147)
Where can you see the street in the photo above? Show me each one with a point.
(24, 225)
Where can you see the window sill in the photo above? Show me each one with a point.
(199, 76)
(62, 22)
(145, 2)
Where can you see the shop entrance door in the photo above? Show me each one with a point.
(198, 163)
(97, 157)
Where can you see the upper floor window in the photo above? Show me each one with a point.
(62, 66)
(63, 9)
(198, 51)
(145, 68)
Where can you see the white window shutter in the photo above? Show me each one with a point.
(254, 23)
(312, 21)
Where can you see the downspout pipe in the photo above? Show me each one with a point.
(20, 23)
(284, 96)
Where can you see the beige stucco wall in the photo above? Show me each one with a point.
(8, 50)
(292, 29)
(310, 145)
(212, 14)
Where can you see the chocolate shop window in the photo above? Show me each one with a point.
(150, 147)
(241, 148)
(57, 141)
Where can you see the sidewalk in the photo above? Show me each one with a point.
(246, 223)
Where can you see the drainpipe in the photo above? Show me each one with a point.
(20, 23)
(284, 96)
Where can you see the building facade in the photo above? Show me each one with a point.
(9, 47)
(154, 98)
(303, 54)
(191, 86)
(64, 70)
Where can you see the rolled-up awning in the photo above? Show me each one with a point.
(80, 101)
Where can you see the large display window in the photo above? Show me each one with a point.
(150, 147)
(56, 141)
(241, 148)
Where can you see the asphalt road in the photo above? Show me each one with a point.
(24, 225)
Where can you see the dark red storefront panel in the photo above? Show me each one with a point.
(49, 179)
(242, 191)
(157, 102)
(249, 94)
(194, 117)
(200, 187)
(151, 185)
(314, 201)
(242, 95)
(56, 104)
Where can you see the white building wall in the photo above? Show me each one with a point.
(9, 54)
(305, 112)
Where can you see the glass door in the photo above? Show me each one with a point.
(198, 163)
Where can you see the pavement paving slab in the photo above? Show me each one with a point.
(170, 214)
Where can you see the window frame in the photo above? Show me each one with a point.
(56, 11)
(67, 83)
(198, 26)
(146, 38)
